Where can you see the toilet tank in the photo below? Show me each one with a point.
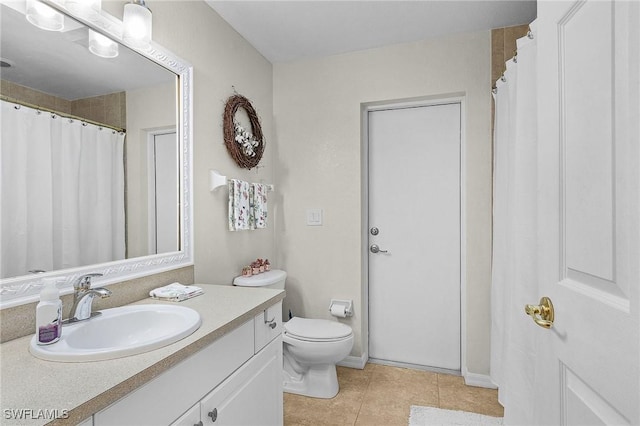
(271, 279)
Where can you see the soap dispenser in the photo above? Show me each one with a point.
(49, 313)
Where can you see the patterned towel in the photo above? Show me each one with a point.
(259, 206)
(240, 216)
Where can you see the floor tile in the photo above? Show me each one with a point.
(455, 395)
(382, 395)
(389, 401)
(301, 410)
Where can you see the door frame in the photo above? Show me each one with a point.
(425, 101)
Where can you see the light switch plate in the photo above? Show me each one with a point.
(314, 217)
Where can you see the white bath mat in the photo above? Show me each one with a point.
(426, 416)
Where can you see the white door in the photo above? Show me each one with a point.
(588, 362)
(163, 194)
(414, 206)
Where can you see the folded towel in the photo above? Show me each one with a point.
(176, 292)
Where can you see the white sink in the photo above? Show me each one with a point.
(119, 332)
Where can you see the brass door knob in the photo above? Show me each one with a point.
(542, 314)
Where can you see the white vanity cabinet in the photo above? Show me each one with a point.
(237, 378)
(250, 396)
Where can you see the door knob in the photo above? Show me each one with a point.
(375, 249)
(213, 414)
(542, 314)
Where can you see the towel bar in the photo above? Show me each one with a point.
(216, 180)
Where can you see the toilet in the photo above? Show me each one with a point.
(311, 347)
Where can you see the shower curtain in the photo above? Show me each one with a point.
(62, 192)
(514, 271)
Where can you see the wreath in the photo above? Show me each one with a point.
(245, 147)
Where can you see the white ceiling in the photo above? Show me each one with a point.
(285, 31)
(281, 30)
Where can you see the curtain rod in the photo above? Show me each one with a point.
(61, 114)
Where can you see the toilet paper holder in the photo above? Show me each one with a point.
(341, 308)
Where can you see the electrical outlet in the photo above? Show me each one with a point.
(314, 217)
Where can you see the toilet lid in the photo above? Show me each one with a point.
(316, 329)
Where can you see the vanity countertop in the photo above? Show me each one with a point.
(33, 388)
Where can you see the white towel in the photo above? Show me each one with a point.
(176, 292)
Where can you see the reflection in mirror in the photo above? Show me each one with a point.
(92, 161)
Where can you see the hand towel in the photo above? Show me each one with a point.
(259, 205)
(176, 292)
(239, 205)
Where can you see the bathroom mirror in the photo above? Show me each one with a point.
(142, 95)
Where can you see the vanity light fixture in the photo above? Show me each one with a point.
(102, 46)
(137, 23)
(44, 16)
(85, 8)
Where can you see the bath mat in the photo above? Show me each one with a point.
(426, 416)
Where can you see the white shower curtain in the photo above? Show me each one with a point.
(62, 192)
(514, 271)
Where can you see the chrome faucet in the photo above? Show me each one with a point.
(83, 297)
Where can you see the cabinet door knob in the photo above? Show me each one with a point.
(213, 414)
(199, 423)
(270, 322)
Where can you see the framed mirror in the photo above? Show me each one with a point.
(96, 153)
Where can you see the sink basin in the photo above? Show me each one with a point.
(119, 332)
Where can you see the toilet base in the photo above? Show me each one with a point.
(320, 381)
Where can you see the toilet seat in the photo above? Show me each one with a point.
(316, 330)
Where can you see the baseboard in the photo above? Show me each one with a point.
(354, 361)
(470, 379)
(478, 380)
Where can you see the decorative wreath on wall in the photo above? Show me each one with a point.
(245, 147)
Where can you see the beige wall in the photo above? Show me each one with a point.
(318, 164)
(220, 58)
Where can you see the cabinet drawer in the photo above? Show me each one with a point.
(268, 325)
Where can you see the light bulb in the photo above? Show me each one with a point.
(137, 24)
(102, 46)
(44, 16)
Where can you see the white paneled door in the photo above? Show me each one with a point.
(588, 369)
(414, 235)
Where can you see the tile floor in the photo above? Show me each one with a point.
(382, 395)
